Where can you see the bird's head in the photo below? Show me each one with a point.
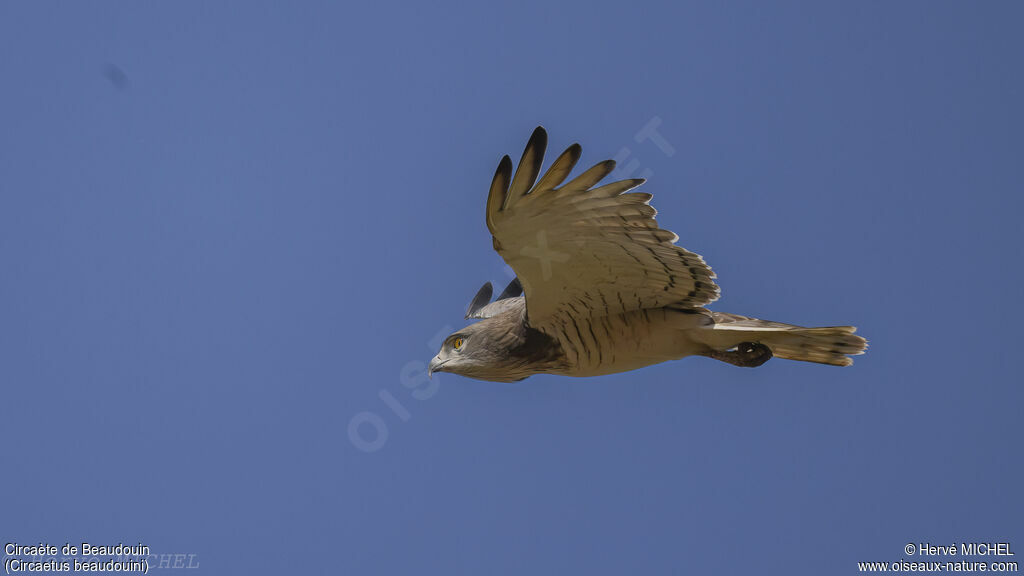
(467, 352)
(488, 350)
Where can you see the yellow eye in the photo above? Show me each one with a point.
(458, 343)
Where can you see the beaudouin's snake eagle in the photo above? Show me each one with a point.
(604, 288)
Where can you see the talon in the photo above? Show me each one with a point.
(745, 354)
(755, 353)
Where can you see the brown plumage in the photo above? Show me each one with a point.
(605, 289)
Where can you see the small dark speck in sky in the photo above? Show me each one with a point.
(116, 76)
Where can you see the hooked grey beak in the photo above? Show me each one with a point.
(435, 366)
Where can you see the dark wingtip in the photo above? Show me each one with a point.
(499, 190)
(528, 169)
(538, 141)
(575, 151)
(503, 176)
(513, 289)
(482, 298)
(505, 165)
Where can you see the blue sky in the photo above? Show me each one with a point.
(228, 229)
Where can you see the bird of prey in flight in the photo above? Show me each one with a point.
(600, 288)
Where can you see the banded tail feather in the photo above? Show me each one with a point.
(831, 345)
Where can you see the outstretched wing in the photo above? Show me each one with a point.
(580, 250)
